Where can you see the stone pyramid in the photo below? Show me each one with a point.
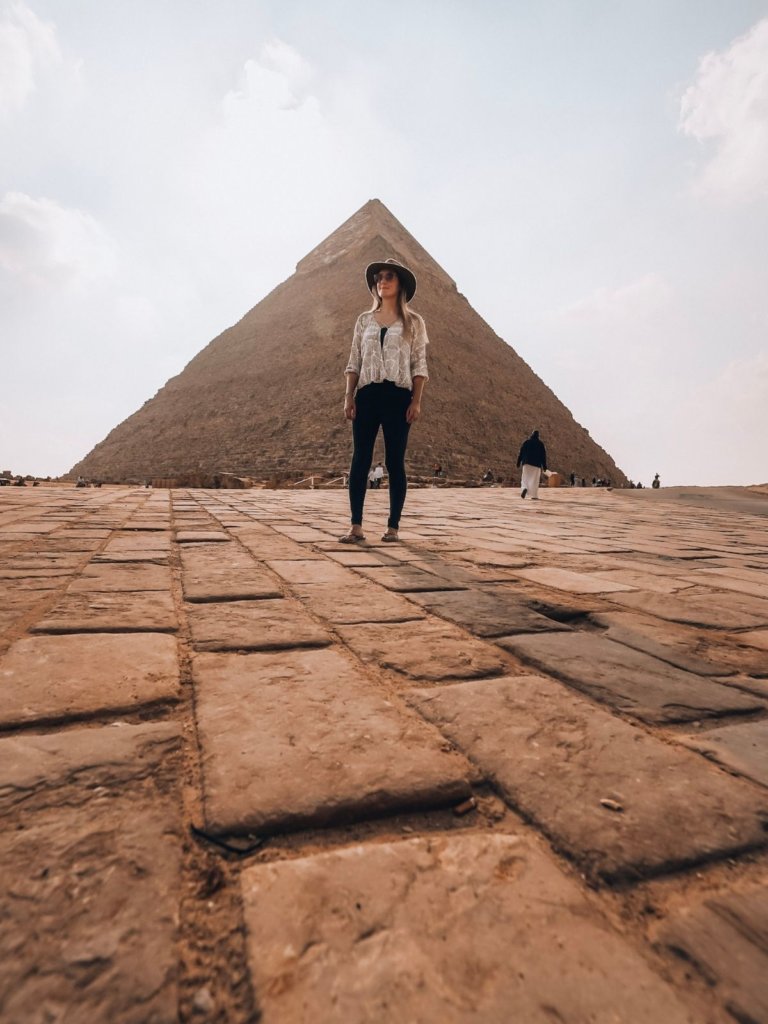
(264, 398)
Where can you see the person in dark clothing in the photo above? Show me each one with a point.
(533, 459)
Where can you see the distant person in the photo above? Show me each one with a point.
(378, 475)
(573, 479)
(656, 482)
(488, 476)
(533, 460)
(385, 375)
(371, 479)
(438, 469)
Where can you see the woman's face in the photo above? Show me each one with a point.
(387, 284)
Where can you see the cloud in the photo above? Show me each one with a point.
(727, 104)
(44, 243)
(30, 56)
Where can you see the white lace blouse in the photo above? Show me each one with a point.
(397, 359)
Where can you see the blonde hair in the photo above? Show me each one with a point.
(410, 319)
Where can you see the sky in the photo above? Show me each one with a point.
(592, 173)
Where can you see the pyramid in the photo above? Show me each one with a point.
(264, 399)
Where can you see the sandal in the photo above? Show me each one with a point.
(390, 538)
(351, 538)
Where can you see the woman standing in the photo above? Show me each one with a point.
(388, 367)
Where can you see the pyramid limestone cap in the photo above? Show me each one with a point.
(373, 221)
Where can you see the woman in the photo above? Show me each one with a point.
(388, 367)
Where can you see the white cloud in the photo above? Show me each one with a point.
(728, 104)
(42, 243)
(30, 56)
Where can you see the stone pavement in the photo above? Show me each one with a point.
(512, 769)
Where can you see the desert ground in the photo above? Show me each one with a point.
(511, 769)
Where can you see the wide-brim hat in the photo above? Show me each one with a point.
(407, 277)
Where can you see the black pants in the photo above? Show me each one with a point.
(380, 405)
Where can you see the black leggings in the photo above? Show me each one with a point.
(379, 405)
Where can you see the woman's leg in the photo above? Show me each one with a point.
(396, 430)
(365, 427)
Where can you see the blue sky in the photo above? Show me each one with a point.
(593, 175)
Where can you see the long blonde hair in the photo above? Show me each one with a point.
(409, 318)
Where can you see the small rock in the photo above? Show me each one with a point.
(203, 1000)
(465, 807)
(611, 805)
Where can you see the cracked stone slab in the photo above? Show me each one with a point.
(755, 638)
(302, 738)
(122, 577)
(253, 626)
(430, 650)
(726, 938)
(48, 678)
(556, 758)
(743, 748)
(629, 680)
(488, 613)
(359, 602)
(137, 611)
(457, 929)
(91, 876)
(681, 646)
(713, 611)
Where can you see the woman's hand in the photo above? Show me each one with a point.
(413, 412)
(349, 407)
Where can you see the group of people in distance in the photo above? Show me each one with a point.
(385, 379)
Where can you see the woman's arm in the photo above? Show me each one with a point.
(414, 409)
(349, 394)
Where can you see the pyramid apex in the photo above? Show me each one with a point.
(373, 221)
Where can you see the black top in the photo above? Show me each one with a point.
(382, 332)
(533, 452)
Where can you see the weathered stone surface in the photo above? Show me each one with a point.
(133, 576)
(48, 678)
(303, 738)
(139, 611)
(253, 626)
(744, 748)
(716, 611)
(314, 570)
(106, 755)
(556, 757)
(361, 602)
(628, 680)
(430, 650)
(754, 638)
(488, 612)
(90, 863)
(575, 582)
(202, 537)
(229, 585)
(410, 579)
(681, 646)
(479, 928)
(726, 939)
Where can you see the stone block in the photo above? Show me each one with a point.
(139, 611)
(450, 929)
(264, 625)
(559, 759)
(629, 680)
(303, 738)
(49, 678)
